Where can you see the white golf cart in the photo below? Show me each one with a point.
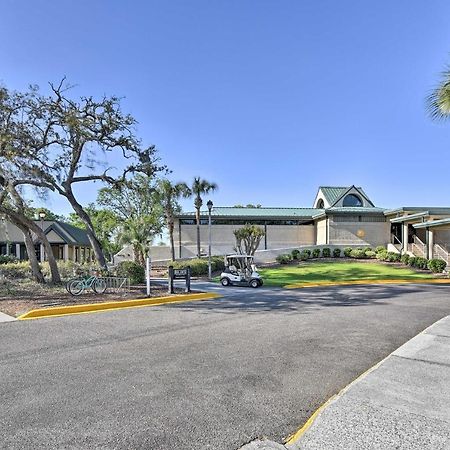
(241, 271)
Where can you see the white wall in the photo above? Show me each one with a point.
(223, 240)
(359, 233)
(321, 232)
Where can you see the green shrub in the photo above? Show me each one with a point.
(5, 259)
(16, 270)
(392, 257)
(129, 269)
(418, 262)
(315, 253)
(295, 254)
(370, 254)
(326, 252)
(283, 259)
(305, 254)
(337, 253)
(358, 253)
(405, 258)
(199, 266)
(437, 265)
(380, 249)
(382, 256)
(347, 251)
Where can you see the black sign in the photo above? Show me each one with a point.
(179, 274)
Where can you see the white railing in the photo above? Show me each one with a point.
(396, 241)
(441, 252)
(418, 247)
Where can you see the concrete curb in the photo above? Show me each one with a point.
(294, 439)
(5, 318)
(59, 311)
(367, 282)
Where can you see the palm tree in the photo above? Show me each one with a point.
(198, 188)
(168, 194)
(139, 232)
(439, 100)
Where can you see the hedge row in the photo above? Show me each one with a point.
(67, 269)
(305, 254)
(199, 266)
(380, 253)
(6, 259)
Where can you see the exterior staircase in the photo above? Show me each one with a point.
(442, 251)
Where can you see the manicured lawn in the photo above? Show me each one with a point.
(331, 271)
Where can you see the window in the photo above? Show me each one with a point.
(352, 200)
(320, 204)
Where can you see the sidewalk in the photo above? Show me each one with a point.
(402, 403)
(5, 318)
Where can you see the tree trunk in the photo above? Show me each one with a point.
(95, 243)
(172, 245)
(24, 222)
(56, 277)
(29, 244)
(197, 217)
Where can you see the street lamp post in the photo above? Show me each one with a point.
(209, 205)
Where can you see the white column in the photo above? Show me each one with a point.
(430, 243)
(18, 251)
(42, 252)
(74, 253)
(66, 252)
(7, 248)
(405, 237)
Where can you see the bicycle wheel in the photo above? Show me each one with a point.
(76, 287)
(99, 286)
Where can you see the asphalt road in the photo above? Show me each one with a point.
(205, 375)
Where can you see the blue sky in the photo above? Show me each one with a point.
(267, 98)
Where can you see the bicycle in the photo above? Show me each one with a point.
(78, 285)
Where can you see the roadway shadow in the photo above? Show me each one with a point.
(306, 300)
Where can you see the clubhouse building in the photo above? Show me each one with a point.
(68, 243)
(340, 217)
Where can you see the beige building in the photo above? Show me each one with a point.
(68, 242)
(340, 217)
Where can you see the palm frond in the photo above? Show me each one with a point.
(438, 102)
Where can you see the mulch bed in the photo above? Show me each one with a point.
(24, 299)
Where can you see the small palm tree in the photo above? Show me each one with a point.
(168, 194)
(139, 232)
(439, 100)
(199, 188)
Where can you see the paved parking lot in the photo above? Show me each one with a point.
(206, 375)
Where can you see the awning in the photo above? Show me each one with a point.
(410, 217)
(433, 223)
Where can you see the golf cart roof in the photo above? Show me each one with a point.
(239, 256)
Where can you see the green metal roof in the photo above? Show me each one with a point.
(432, 223)
(410, 217)
(354, 210)
(432, 210)
(333, 193)
(264, 212)
(70, 234)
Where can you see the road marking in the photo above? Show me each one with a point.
(59, 311)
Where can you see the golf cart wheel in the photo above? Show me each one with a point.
(225, 281)
(76, 287)
(254, 283)
(99, 286)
